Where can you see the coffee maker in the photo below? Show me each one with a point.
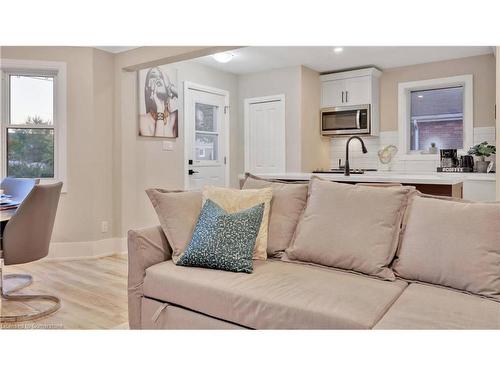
(448, 158)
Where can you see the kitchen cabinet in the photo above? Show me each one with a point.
(358, 90)
(348, 91)
(479, 190)
(353, 88)
(332, 93)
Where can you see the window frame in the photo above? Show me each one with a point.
(404, 111)
(57, 70)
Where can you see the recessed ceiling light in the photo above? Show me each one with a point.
(420, 96)
(338, 49)
(223, 57)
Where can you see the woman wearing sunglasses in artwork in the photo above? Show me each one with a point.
(161, 117)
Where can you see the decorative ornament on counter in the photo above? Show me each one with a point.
(386, 155)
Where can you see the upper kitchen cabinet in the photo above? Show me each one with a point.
(355, 87)
(332, 93)
(350, 103)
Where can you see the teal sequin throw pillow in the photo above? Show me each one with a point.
(222, 240)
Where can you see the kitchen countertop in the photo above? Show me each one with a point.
(429, 178)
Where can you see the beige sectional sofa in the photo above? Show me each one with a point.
(283, 294)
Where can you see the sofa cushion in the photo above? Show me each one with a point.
(350, 227)
(222, 240)
(431, 307)
(277, 295)
(450, 243)
(160, 315)
(288, 203)
(178, 212)
(234, 200)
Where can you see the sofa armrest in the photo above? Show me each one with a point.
(146, 247)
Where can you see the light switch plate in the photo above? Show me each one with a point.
(104, 226)
(167, 146)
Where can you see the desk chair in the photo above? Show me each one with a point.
(26, 238)
(18, 189)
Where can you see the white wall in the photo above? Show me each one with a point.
(315, 148)
(481, 67)
(142, 162)
(88, 200)
(285, 81)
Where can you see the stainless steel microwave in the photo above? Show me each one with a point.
(346, 120)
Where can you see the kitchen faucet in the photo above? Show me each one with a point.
(347, 171)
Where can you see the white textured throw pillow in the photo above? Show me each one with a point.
(234, 200)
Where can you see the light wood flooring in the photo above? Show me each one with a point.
(93, 293)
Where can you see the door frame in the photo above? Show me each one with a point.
(246, 120)
(211, 90)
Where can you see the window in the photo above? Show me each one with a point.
(437, 117)
(33, 119)
(30, 126)
(206, 132)
(435, 113)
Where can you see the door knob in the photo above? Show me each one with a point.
(192, 171)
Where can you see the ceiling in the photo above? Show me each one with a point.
(323, 59)
(115, 49)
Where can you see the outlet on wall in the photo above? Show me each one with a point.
(104, 226)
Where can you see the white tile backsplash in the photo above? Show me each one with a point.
(370, 160)
(484, 133)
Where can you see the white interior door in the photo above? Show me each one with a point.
(265, 135)
(207, 137)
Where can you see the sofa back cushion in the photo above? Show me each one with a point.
(451, 243)
(178, 212)
(350, 227)
(288, 203)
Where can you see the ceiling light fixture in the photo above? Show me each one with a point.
(223, 57)
(338, 49)
(420, 96)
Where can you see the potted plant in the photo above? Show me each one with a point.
(481, 151)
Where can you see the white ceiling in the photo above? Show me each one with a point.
(115, 49)
(323, 59)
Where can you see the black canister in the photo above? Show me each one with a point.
(467, 161)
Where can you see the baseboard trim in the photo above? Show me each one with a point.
(86, 249)
(83, 257)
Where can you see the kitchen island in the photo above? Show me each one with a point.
(444, 184)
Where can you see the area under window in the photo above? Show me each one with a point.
(437, 118)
